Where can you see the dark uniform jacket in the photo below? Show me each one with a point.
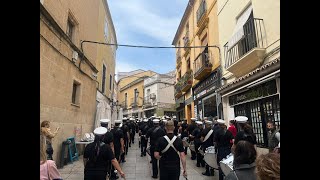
(155, 134)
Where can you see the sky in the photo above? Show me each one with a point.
(149, 23)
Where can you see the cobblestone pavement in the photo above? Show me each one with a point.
(136, 167)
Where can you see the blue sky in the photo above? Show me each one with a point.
(146, 22)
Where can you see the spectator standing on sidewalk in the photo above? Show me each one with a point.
(169, 150)
(232, 128)
(244, 162)
(96, 155)
(273, 136)
(268, 166)
(46, 131)
(48, 168)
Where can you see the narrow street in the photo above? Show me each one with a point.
(136, 167)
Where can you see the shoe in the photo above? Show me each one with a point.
(124, 161)
(155, 177)
(206, 174)
(151, 161)
(141, 155)
(144, 154)
(198, 165)
(193, 158)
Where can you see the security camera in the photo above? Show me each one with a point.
(94, 75)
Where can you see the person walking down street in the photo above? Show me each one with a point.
(48, 168)
(197, 142)
(184, 133)
(169, 151)
(273, 136)
(144, 141)
(132, 130)
(126, 138)
(244, 162)
(96, 155)
(190, 129)
(46, 131)
(268, 166)
(108, 139)
(207, 141)
(245, 133)
(154, 133)
(222, 138)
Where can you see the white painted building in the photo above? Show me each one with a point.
(159, 95)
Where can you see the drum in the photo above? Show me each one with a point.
(148, 150)
(192, 146)
(226, 164)
(210, 157)
(201, 151)
(185, 142)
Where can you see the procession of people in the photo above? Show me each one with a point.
(208, 142)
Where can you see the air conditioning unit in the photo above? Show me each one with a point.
(152, 96)
(74, 56)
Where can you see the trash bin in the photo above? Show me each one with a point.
(64, 151)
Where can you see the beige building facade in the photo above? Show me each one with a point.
(198, 69)
(69, 74)
(131, 93)
(249, 35)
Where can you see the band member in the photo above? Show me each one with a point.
(155, 133)
(196, 135)
(96, 155)
(132, 130)
(169, 151)
(222, 138)
(126, 137)
(207, 141)
(143, 131)
(245, 133)
(108, 139)
(190, 129)
(184, 133)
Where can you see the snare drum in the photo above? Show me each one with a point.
(226, 164)
(185, 142)
(192, 146)
(210, 157)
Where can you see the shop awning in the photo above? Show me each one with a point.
(149, 108)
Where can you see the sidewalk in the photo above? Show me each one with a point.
(136, 167)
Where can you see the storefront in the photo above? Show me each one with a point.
(206, 100)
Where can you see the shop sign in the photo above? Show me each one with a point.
(206, 86)
(263, 90)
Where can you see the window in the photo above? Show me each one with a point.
(135, 95)
(110, 81)
(75, 93)
(70, 29)
(188, 64)
(103, 78)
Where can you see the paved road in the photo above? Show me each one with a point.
(136, 167)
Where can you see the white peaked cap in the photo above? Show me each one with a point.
(100, 131)
(220, 121)
(156, 121)
(199, 122)
(174, 117)
(131, 119)
(145, 120)
(163, 117)
(104, 121)
(164, 120)
(117, 121)
(208, 122)
(205, 118)
(193, 119)
(120, 125)
(241, 119)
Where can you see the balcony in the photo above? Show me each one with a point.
(202, 65)
(177, 90)
(135, 102)
(247, 54)
(149, 101)
(124, 105)
(202, 14)
(186, 81)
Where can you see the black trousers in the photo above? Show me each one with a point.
(200, 160)
(132, 136)
(169, 173)
(222, 153)
(154, 162)
(144, 142)
(94, 177)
